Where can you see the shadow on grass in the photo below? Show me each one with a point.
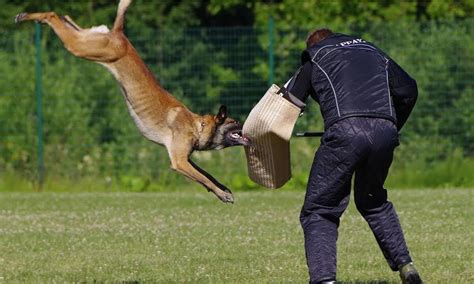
(365, 282)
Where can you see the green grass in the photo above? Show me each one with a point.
(188, 236)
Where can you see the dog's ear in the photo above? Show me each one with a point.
(221, 115)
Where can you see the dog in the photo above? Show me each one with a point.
(159, 116)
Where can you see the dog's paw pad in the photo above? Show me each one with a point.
(20, 17)
(227, 198)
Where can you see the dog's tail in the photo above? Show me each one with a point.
(121, 11)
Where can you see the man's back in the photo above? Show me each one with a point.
(350, 78)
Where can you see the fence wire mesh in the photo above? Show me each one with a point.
(88, 132)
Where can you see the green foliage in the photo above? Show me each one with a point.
(96, 173)
(450, 9)
(427, 170)
(145, 15)
(88, 133)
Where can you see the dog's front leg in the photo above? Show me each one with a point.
(181, 163)
(211, 178)
(187, 169)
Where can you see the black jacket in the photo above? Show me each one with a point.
(352, 77)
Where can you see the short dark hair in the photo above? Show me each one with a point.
(317, 36)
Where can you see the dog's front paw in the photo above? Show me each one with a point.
(226, 197)
(20, 17)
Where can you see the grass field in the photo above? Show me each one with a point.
(189, 236)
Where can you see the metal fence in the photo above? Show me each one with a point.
(67, 116)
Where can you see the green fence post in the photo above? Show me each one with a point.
(39, 105)
(271, 52)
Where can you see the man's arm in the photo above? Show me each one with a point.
(300, 85)
(404, 92)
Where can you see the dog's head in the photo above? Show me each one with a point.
(226, 132)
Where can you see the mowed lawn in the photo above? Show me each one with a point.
(190, 236)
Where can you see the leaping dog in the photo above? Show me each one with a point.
(159, 116)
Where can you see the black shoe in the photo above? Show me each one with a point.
(409, 275)
(326, 282)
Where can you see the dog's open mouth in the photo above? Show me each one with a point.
(239, 138)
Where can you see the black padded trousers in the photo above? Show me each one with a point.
(363, 146)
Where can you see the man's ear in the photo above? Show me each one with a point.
(221, 115)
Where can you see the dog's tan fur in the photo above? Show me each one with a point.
(159, 116)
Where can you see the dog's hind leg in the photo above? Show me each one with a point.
(86, 43)
(70, 22)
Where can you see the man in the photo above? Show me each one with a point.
(365, 99)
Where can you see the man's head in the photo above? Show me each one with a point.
(317, 36)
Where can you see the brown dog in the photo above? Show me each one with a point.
(159, 116)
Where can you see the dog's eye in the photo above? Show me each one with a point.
(235, 135)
